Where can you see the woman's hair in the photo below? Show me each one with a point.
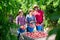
(19, 12)
(31, 10)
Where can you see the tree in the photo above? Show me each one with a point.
(11, 7)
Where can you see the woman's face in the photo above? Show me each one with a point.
(31, 12)
(21, 13)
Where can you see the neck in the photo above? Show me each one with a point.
(36, 10)
(20, 15)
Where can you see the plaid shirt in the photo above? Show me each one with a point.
(20, 20)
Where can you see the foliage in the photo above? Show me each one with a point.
(11, 7)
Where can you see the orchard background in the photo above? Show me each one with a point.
(10, 8)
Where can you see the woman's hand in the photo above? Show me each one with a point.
(23, 27)
(32, 22)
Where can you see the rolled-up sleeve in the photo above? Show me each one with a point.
(17, 21)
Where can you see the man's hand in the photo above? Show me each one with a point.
(41, 24)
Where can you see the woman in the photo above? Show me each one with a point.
(20, 19)
(31, 21)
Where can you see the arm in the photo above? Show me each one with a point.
(34, 19)
(43, 18)
(27, 18)
(17, 20)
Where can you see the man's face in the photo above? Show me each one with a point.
(36, 8)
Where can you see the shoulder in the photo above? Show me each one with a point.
(17, 17)
(41, 11)
(27, 15)
(23, 16)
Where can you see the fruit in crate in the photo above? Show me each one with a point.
(36, 34)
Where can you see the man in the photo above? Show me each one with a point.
(39, 14)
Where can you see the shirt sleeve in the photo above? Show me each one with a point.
(26, 17)
(17, 20)
(35, 20)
